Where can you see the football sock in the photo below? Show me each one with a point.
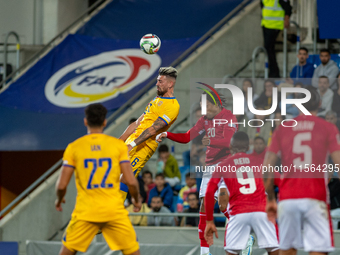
(201, 229)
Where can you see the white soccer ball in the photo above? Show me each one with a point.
(150, 43)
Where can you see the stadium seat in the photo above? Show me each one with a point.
(315, 59)
(9, 248)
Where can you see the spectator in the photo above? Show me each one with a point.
(259, 147)
(275, 17)
(183, 193)
(158, 207)
(168, 166)
(326, 96)
(148, 183)
(162, 190)
(278, 118)
(336, 98)
(332, 118)
(257, 130)
(291, 109)
(193, 207)
(327, 68)
(303, 72)
(265, 99)
(139, 220)
(247, 83)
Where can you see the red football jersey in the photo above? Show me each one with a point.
(305, 148)
(246, 189)
(220, 135)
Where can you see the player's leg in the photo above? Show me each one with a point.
(78, 236)
(65, 251)
(265, 232)
(290, 222)
(203, 218)
(237, 233)
(288, 252)
(317, 225)
(120, 235)
(139, 155)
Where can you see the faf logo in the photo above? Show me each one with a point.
(100, 78)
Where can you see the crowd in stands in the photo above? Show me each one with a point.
(161, 190)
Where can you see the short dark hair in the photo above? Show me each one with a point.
(324, 76)
(95, 115)
(168, 71)
(304, 48)
(272, 81)
(160, 175)
(249, 80)
(146, 172)
(157, 197)
(259, 138)
(325, 50)
(187, 175)
(240, 141)
(192, 193)
(163, 148)
(132, 120)
(314, 102)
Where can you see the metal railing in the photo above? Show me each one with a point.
(132, 100)
(50, 45)
(285, 54)
(6, 51)
(254, 57)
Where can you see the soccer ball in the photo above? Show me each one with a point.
(150, 43)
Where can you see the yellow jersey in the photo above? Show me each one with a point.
(96, 159)
(164, 108)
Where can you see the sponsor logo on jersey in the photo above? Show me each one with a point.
(166, 117)
(100, 78)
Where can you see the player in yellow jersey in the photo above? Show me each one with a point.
(159, 115)
(97, 160)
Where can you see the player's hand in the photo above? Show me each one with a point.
(206, 140)
(210, 229)
(160, 136)
(58, 204)
(129, 147)
(271, 209)
(136, 205)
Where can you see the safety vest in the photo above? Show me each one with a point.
(272, 15)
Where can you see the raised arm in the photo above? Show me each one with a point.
(131, 128)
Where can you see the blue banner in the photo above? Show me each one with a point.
(329, 19)
(83, 70)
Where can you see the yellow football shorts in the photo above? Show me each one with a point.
(139, 155)
(119, 234)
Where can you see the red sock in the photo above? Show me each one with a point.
(201, 229)
(226, 214)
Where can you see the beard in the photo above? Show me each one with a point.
(156, 209)
(161, 92)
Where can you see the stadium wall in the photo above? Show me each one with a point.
(35, 218)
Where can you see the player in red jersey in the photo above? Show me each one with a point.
(242, 174)
(303, 190)
(217, 140)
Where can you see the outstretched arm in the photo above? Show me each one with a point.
(131, 128)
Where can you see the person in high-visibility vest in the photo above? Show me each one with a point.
(275, 17)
